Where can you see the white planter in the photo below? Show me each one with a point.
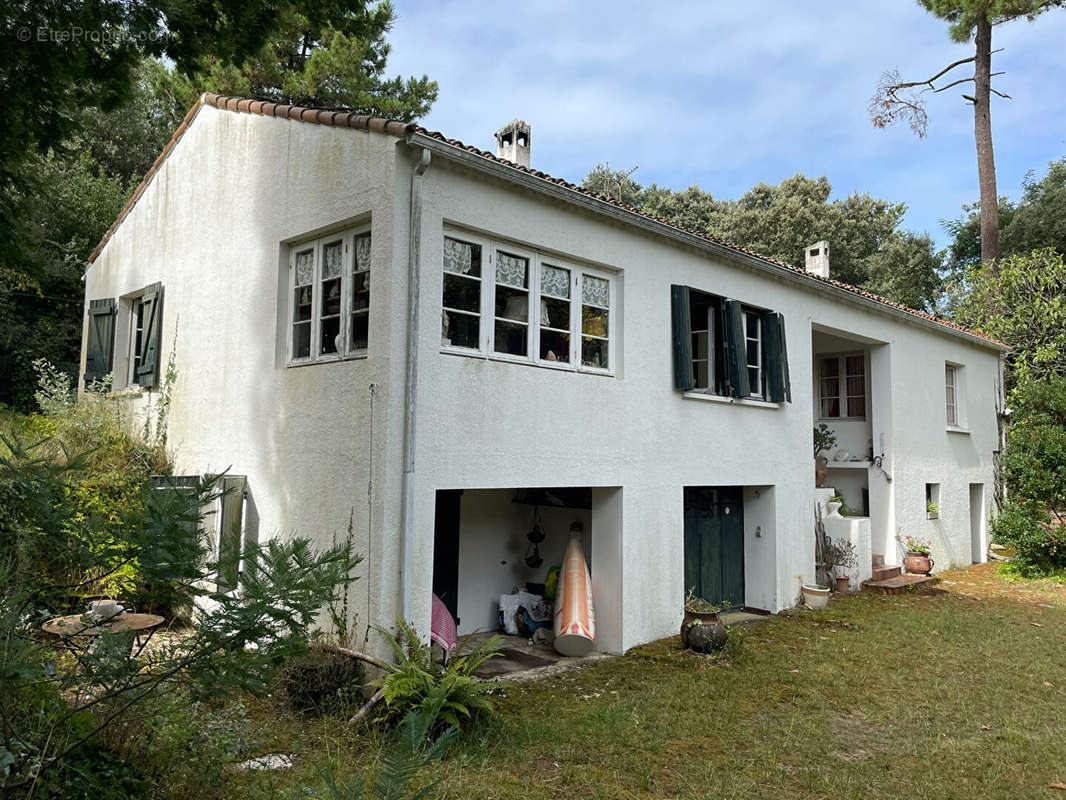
(832, 508)
(815, 596)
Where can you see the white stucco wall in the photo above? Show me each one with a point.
(213, 226)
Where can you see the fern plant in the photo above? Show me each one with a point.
(451, 691)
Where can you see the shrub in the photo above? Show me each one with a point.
(320, 679)
(419, 682)
(1040, 544)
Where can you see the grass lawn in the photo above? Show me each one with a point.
(955, 694)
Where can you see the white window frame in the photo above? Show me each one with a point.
(951, 395)
(754, 391)
(133, 352)
(487, 318)
(842, 384)
(709, 333)
(345, 351)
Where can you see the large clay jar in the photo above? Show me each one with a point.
(821, 469)
(918, 564)
(704, 636)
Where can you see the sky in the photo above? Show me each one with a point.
(725, 95)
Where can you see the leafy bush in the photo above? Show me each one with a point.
(419, 682)
(1039, 543)
(320, 679)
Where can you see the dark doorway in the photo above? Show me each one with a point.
(714, 544)
(446, 549)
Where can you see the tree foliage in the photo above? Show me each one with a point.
(868, 247)
(1024, 306)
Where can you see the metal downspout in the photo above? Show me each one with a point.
(411, 389)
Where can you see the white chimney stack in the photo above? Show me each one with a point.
(817, 258)
(512, 142)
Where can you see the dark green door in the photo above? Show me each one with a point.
(714, 544)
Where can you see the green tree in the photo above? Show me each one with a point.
(896, 99)
(868, 247)
(1039, 219)
(325, 66)
(1023, 304)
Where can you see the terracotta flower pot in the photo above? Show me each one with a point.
(918, 563)
(843, 583)
(821, 469)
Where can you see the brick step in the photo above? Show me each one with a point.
(878, 561)
(901, 583)
(885, 573)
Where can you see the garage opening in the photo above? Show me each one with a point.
(497, 555)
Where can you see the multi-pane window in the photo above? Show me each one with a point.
(703, 349)
(753, 351)
(842, 386)
(541, 309)
(951, 393)
(461, 322)
(329, 296)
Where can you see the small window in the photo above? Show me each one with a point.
(932, 500)
(329, 291)
(595, 321)
(703, 344)
(555, 324)
(951, 392)
(842, 386)
(512, 304)
(753, 351)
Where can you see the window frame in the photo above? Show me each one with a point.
(133, 350)
(760, 367)
(348, 237)
(842, 395)
(711, 332)
(537, 259)
(951, 395)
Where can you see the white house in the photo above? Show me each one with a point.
(371, 322)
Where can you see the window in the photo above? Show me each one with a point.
(329, 290)
(753, 352)
(136, 337)
(722, 346)
(842, 386)
(542, 309)
(951, 393)
(932, 500)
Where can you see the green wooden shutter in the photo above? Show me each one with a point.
(100, 339)
(230, 530)
(681, 323)
(148, 369)
(771, 348)
(785, 381)
(735, 351)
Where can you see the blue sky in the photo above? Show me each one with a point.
(727, 94)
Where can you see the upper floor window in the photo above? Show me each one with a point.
(516, 303)
(329, 297)
(842, 386)
(951, 392)
(724, 347)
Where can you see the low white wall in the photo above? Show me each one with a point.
(760, 547)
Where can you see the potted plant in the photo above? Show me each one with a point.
(843, 558)
(702, 629)
(824, 441)
(917, 560)
(834, 505)
(932, 510)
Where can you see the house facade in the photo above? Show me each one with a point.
(369, 324)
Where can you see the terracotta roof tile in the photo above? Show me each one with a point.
(398, 129)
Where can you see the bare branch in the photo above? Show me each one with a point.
(953, 83)
(1000, 94)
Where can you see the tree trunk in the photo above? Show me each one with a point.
(982, 130)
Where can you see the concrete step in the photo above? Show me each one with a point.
(883, 573)
(878, 561)
(901, 583)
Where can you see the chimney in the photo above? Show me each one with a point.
(817, 258)
(512, 143)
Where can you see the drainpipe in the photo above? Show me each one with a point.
(411, 390)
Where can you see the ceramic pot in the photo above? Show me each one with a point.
(703, 632)
(843, 583)
(821, 469)
(706, 617)
(815, 596)
(918, 563)
(832, 508)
